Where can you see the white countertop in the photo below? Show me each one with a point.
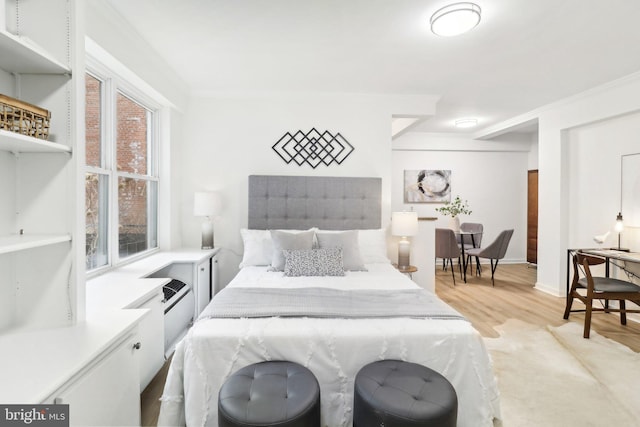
(121, 292)
(128, 286)
(145, 266)
(34, 364)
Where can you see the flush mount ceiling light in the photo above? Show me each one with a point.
(457, 18)
(467, 122)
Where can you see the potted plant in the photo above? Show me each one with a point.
(453, 209)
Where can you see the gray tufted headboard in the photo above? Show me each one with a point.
(301, 202)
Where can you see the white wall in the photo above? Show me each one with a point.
(174, 170)
(228, 138)
(107, 28)
(533, 152)
(594, 153)
(491, 176)
(598, 105)
(558, 126)
(118, 39)
(218, 140)
(8, 191)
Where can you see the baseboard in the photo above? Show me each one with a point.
(634, 317)
(502, 261)
(551, 290)
(511, 261)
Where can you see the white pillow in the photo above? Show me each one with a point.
(283, 239)
(373, 246)
(348, 241)
(258, 247)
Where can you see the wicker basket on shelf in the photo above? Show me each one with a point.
(24, 118)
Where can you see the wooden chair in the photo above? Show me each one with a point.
(598, 288)
(447, 249)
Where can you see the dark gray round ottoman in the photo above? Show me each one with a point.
(275, 393)
(403, 394)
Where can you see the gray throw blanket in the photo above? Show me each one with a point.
(327, 303)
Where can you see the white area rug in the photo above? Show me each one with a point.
(554, 377)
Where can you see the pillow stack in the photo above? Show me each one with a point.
(301, 252)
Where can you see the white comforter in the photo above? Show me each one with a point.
(333, 349)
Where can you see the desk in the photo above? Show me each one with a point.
(473, 243)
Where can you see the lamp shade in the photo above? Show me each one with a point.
(206, 203)
(619, 223)
(404, 223)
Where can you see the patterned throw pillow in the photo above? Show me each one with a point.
(314, 262)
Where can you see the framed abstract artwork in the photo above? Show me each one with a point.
(427, 186)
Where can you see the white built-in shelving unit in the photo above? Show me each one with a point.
(21, 55)
(16, 143)
(52, 352)
(15, 243)
(41, 278)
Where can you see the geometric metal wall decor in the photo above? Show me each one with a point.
(313, 148)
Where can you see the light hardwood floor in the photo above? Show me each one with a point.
(149, 399)
(513, 297)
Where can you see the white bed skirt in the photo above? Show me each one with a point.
(334, 350)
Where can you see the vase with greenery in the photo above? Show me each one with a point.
(453, 209)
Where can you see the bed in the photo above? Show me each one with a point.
(332, 323)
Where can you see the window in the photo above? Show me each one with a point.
(96, 178)
(121, 181)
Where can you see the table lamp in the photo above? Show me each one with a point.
(619, 227)
(404, 224)
(206, 204)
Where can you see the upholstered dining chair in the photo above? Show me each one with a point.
(598, 288)
(495, 251)
(471, 227)
(469, 241)
(447, 248)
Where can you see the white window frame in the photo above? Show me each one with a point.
(113, 83)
